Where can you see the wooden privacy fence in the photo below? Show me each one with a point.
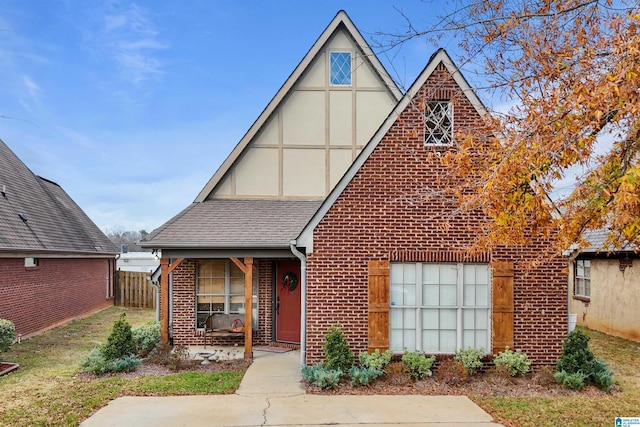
(133, 289)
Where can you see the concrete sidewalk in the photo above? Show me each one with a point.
(272, 394)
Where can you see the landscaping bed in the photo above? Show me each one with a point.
(539, 383)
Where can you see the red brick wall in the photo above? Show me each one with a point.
(184, 305)
(390, 211)
(53, 292)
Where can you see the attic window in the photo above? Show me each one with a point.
(438, 123)
(340, 68)
(31, 262)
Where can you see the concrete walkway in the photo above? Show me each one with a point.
(272, 394)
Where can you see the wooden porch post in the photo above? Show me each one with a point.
(248, 310)
(166, 268)
(164, 299)
(247, 269)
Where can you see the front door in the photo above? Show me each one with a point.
(288, 284)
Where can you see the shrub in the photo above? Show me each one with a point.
(397, 373)
(96, 363)
(179, 358)
(321, 376)
(418, 364)
(452, 371)
(376, 360)
(577, 358)
(336, 350)
(363, 375)
(7, 334)
(574, 380)
(512, 363)
(120, 342)
(145, 338)
(125, 364)
(471, 358)
(576, 355)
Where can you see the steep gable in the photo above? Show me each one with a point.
(38, 216)
(405, 131)
(314, 127)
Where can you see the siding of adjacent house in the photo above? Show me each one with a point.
(53, 292)
(613, 305)
(385, 214)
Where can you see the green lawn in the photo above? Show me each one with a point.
(46, 391)
(623, 357)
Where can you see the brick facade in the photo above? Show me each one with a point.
(184, 305)
(391, 210)
(53, 292)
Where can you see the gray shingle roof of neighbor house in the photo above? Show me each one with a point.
(597, 242)
(234, 223)
(38, 216)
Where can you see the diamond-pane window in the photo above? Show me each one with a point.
(340, 68)
(438, 123)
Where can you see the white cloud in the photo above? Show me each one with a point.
(32, 90)
(130, 38)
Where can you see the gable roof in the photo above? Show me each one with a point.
(305, 239)
(597, 241)
(234, 223)
(340, 20)
(38, 217)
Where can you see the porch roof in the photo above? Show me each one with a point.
(234, 223)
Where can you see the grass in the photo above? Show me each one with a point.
(46, 390)
(583, 409)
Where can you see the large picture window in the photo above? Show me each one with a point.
(439, 307)
(582, 278)
(219, 289)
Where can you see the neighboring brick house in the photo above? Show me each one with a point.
(55, 263)
(351, 243)
(605, 287)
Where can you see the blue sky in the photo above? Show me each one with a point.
(132, 106)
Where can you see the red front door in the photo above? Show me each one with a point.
(288, 284)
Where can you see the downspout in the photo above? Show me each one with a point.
(303, 301)
(156, 286)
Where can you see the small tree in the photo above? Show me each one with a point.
(120, 342)
(336, 349)
(7, 334)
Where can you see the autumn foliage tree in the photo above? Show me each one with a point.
(571, 71)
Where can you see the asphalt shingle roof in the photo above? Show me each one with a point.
(597, 242)
(232, 223)
(38, 215)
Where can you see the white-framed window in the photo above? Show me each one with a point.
(438, 123)
(31, 262)
(340, 68)
(219, 289)
(582, 278)
(439, 307)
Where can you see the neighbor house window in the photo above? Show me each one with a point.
(340, 68)
(438, 123)
(31, 262)
(582, 278)
(219, 289)
(439, 307)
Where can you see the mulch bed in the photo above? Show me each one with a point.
(490, 383)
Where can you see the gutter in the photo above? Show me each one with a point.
(303, 302)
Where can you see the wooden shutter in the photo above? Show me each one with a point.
(502, 305)
(378, 306)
